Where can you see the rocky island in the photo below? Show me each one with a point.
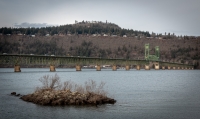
(53, 93)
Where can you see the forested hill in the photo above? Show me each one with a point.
(84, 27)
(98, 39)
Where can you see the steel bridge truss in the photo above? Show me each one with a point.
(61, 61)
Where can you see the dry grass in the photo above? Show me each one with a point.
(54, 83)
(92, 87)
(50, 82)
(68, 93)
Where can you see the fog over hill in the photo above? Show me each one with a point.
(33, 25)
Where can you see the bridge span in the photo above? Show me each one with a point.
(18, 61)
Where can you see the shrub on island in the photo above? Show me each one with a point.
(54, 93)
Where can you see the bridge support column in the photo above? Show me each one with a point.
(182, 68)
(52, 68)
(138, 67)
(127, 67)
(169, 67)
(17, 68)
(114, 67)
(157, 67)
(178, 68)
(78, 68)
(98, 68)
(174, 68)
(163, 67)
(147, 67)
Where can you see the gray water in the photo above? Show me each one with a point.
(154, 94)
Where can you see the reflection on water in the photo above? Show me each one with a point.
(140, 94)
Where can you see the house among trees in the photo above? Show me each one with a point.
(92, 28)
(19, 34)
(114, 35)
(124, 36)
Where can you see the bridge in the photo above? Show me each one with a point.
(18, 61)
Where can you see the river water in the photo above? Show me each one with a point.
(154, 94)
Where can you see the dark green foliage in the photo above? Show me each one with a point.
(48, 48)
(124, 48)
(119, 49)
(183, 52)
(102, 53)
(84, 50)
(196, 57)
(79, 28)
(7, 47)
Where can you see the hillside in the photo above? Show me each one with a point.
(83, 28)
(104, 44)
(174, 50)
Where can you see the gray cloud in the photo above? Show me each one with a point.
(36, 25)
(179, 16)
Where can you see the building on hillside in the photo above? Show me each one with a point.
(124, 36)
(61, 34)
(153, 34)
(113, 35)
(149, 37)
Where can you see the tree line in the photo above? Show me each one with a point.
(78, 28)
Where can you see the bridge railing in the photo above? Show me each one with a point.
(65, 60)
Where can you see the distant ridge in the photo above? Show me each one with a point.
(84, 27)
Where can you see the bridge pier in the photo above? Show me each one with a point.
(157, 67)
(163, 67)
(98, 68)
(17, 68)
(147, 67)
(114, 67)
(138, 67)
(174, 68)
(178, 68)
(78, 68)
(52, 68)
(40, 60)
(127, 67)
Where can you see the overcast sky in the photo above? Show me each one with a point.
(181, 17)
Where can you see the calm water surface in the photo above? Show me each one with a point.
(166, 94)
